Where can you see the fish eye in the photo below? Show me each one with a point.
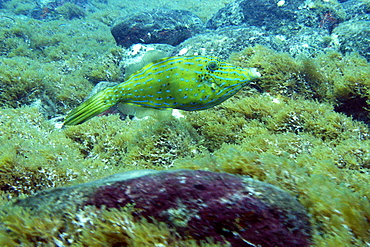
(212, 65)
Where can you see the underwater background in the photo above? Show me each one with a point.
(303, 126)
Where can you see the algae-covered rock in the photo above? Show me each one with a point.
(71, 11)
(197, 204)
(342, 80)
(354, 37)
(357, 9)
(225, 41)
(260, 13)
(33, 156)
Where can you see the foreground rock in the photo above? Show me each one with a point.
(199, 204)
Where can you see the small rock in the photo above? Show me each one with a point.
(159, 26)
(200, 204)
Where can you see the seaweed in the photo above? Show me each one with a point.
(89, 227)
(33, 156)
(45, 62)
(282, 74)
(146, 143)
(341, 80)
(71, 11)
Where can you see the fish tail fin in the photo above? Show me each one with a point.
(95, 105)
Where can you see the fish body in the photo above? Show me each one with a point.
(187, 83)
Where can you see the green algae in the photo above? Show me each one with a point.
(148, 143)
(71, 11)
(296, 143)
(324, 166)
(47, 61)
(89, 227)
(343, 81)
(33, 156)
(108, 12)
(283, 74)
(25, 82)
(36, 156)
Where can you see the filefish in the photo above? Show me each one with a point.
(188, 83)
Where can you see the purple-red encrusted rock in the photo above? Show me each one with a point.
(200, 204)
(206, 204)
